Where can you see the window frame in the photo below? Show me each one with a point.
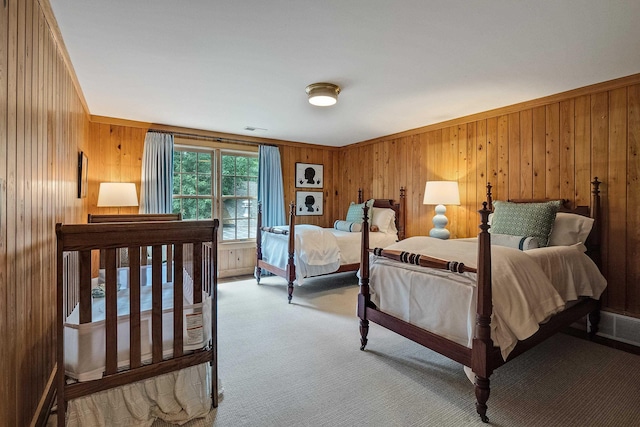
(217, 197)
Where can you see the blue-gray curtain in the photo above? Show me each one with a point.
(270, 188)
(157, 173)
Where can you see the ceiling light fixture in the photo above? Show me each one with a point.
(323, 94)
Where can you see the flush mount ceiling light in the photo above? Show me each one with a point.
(323, 94)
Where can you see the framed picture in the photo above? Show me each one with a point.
(83, 175)
(309, 175)
(308, 203)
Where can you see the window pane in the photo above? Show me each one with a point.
(253, 166)
(253, 187)
(242, 166)
(189, 208)
(189, 161)
(228, 165)
(175, 206)
(227, 186)
(242, 206)
(176, 183)
(204, 163)
(229, 230)
(253, 208)
(188, 184)
(177, 161)
(242, 229)
(253, 225)
(204, 208)
(229, 205)
(204, 185)
(241, 186)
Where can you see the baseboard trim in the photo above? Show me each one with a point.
(619, 345)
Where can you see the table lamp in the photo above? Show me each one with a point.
(117, 195)
(441, 193)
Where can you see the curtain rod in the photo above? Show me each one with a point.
(212, 138)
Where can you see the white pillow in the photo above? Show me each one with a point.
(570, 229)
(522, 243)
(384, 218)
(347, 225)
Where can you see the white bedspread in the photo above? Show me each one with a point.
(318, 250)
(527, 288)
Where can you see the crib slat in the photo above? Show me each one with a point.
(177, 304)
(197, 273)
(134, 307)
(156, 310)
(85, 287)
(111, 312)
(170, 263)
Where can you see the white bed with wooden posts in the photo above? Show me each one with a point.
(308, 250)
(118, 340)
(484, 301)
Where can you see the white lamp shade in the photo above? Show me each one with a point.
(441, 193)
(117, 194)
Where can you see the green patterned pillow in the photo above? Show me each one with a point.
(355, 213)
(525, 219)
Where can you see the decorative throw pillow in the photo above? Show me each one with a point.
(525, 219)
(355, 213)
(347, 225)
(523, 243)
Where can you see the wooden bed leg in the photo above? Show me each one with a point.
(482, 395)
(364, 331)
(290, 291)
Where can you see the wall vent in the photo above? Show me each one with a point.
(620, 328)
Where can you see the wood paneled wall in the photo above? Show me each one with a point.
(42, 129)
(546, 149)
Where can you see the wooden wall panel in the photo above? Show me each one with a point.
(42, 128)
(632, 301)
(551, 149)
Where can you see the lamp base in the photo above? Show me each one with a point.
(440, 221)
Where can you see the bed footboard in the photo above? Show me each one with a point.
(188, 341)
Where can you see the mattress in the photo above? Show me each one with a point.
(85, 344)
(527, 288)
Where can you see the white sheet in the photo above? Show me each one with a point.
(318, 250)
(527, 288)
(85, 344)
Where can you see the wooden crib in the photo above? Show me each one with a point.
(193, 265)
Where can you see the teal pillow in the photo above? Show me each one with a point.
(525, 219)
(355, 213)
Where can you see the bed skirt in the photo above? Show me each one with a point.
(176, 397)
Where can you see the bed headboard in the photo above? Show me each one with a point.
(398, 207)
(593, 211)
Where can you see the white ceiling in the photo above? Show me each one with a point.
(225, 65)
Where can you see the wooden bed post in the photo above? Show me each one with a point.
(594, 316)
(291, 269)
(482, 343)
(258, 271)
(401, 212)
(360, 196)
(364, 297)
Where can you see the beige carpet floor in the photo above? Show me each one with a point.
(300, 364)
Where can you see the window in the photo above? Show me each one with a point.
(239, 196)
(210, 183)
